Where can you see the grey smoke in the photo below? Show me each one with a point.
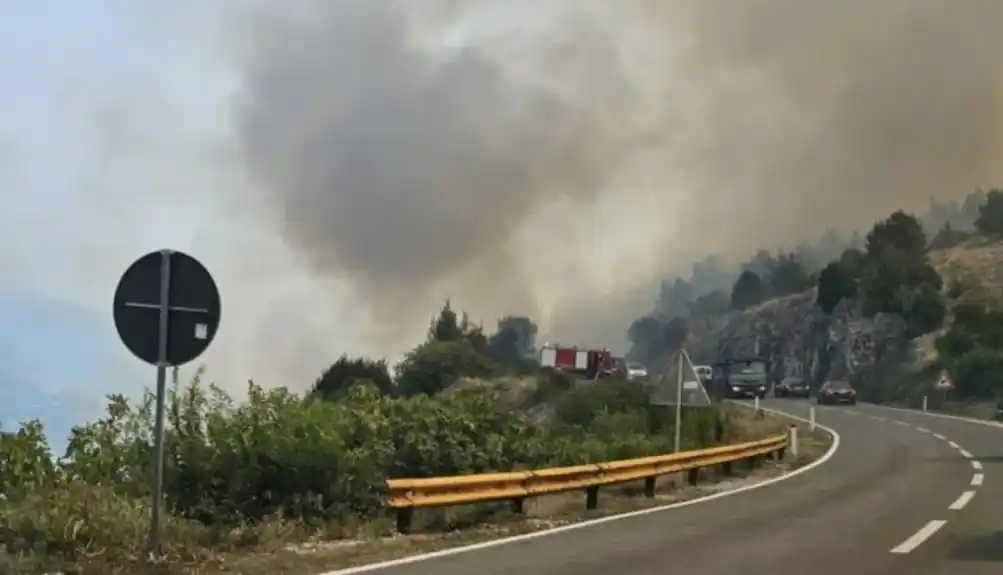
(413, 171)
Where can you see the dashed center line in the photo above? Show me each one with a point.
(919, 537)
(962, 501)
(933, 526)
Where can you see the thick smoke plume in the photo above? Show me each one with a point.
(554, 158)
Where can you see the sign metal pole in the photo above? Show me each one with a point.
(163, 333)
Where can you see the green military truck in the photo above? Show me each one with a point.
(740, 378)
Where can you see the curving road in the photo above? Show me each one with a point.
(906, 493)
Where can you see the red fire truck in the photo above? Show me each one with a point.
(587, 363)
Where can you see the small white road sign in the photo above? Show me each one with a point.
(944, 382)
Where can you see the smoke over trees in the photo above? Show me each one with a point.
(561, 158)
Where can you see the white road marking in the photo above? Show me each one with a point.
(977, 479)
(901, 423)
(954, 445)
(939, 436)
(976, 465)
(919, 537)
(965, 454)
(962, 501)
(922, 430)
(878, 418)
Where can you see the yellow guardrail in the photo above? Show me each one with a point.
(406, 495)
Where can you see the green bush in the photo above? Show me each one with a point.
(282, 455)
(972, 350)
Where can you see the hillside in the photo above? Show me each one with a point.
(976, 262)
(891, 322)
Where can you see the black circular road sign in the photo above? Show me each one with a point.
(179, 285)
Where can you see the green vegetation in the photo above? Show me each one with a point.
(892, 275)
(886, 272)
(280, 466)
(990, 220)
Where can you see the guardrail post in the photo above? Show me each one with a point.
(694, 476)
(924, 403)
(811, 418)
(518, 505)
(591, 498)
(792, 440)
(649, 487)
(404, 516)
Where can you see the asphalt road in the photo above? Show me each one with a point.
(897, 497)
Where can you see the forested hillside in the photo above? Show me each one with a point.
(890, 307)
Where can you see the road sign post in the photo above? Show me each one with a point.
(166, 310)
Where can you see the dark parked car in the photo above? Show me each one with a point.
(836, 392)
(792, 387)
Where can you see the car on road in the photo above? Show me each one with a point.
(836, 392)
(635, 371)
(792, 387)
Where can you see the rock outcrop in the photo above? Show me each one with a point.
(798, 339)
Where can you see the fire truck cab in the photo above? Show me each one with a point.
(589, 363)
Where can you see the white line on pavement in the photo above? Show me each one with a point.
(977, 479)
(919, 537)
(922, 430)
(939, 436)
(962, 501)
(976, 464)
(965, 454)
(954, 445)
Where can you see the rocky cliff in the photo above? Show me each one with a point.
(798, 339)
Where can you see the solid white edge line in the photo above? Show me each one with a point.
(976, 464)
(982, 422)
(919, 537)
(964, 499)
(977, 479)
(609, 518)
(966, 454)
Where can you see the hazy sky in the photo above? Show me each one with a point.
(343, 166)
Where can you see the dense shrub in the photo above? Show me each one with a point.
(990, 220)
(972, 350)
(749, 290)
(280, 456)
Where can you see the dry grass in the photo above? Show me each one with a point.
(977, 264)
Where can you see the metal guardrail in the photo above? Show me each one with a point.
(406, 495)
